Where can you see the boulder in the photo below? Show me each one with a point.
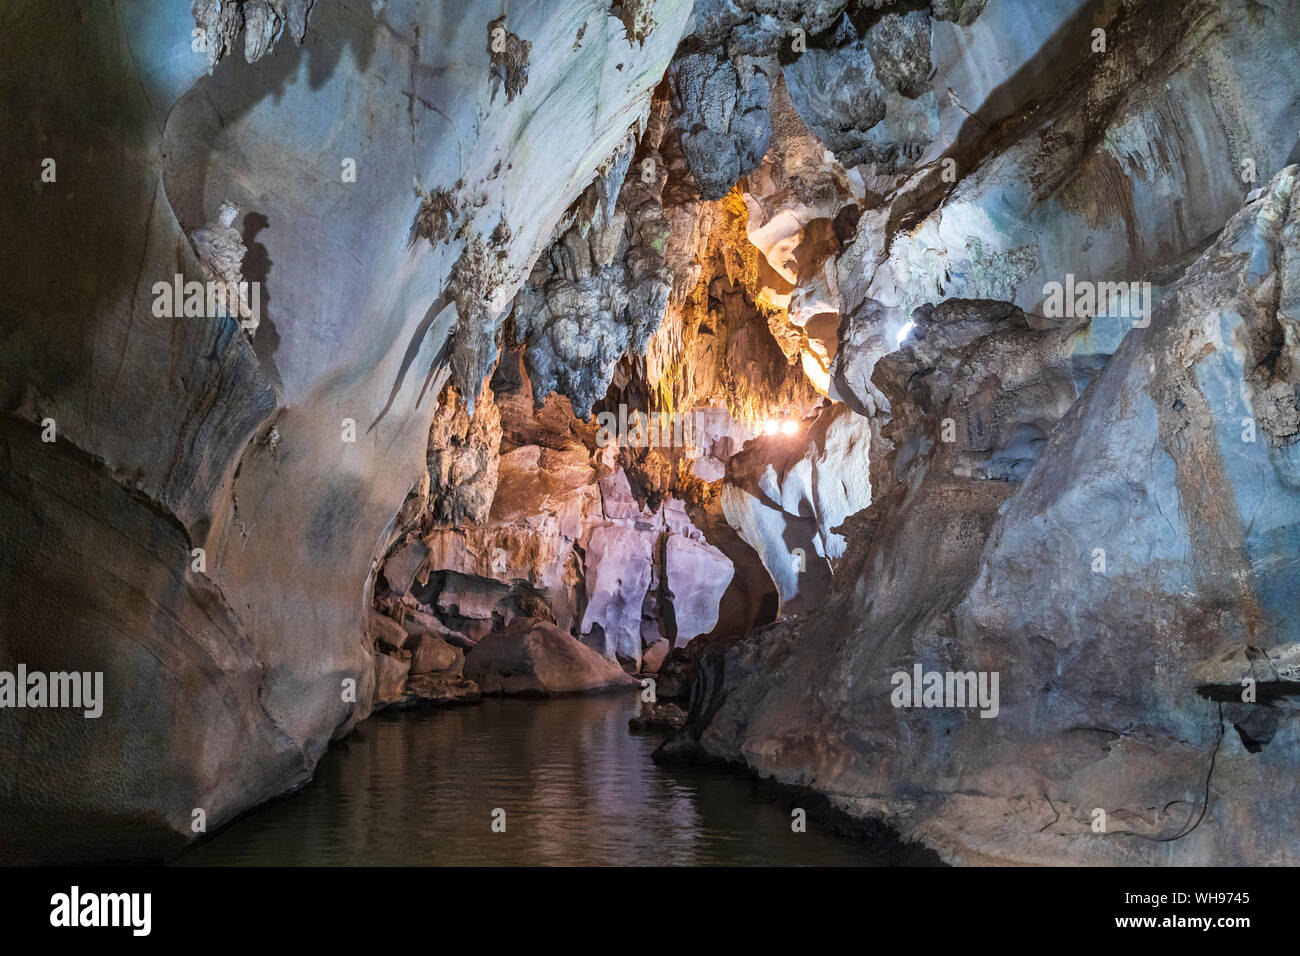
(431, 655)
(390, 675)
(663, 715)
(677, 671)
(534, 658)
(654, 656)
(384, 631)
(441, 689)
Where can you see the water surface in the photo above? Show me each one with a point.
(577, 788)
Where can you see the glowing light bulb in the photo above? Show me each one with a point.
(771, 426)
(789, 427)
(902, 333)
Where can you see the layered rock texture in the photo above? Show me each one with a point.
(535, 518)
(775, 349)
(283, 459)
(1120, 589)
(1074, 491)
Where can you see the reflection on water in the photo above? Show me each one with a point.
(419, 788)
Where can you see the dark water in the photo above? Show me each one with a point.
(419, 788)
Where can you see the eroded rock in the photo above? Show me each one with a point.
(176, 435)
(390, 679)
(534, 658)
(509, 59)
(431, 655)
(840, 97)
(696, 576)
(654, 655)
(899, 45)
(725, 128)
(1111, 587)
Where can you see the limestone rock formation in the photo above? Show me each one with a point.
(535, 658)
(695, 576)
(899, 45)
(261, 21)
(663, 715)
(724, 125)
(463, 459)
(430, 654)
(532, 518)
(391, 673)
(1129, 530)
(221, 252)
(439, 689)
(618, 575)
(418, 661)
(786, 498)
(840, 97)
(1036, 513)
(602, 289)
(285, 459)
(787, 351)
(654, 656)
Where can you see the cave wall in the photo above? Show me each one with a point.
(853, 234)
(1108, 523)
(536, 517)
(223, 687)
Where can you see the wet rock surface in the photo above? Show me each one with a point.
(664, 715)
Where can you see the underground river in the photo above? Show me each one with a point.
(419, 787)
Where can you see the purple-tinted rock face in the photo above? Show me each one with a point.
(917, 385)
(535, 658)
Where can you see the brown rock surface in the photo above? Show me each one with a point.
(534, 658)
(431, 654)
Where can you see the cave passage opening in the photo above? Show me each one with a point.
(659, 457)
